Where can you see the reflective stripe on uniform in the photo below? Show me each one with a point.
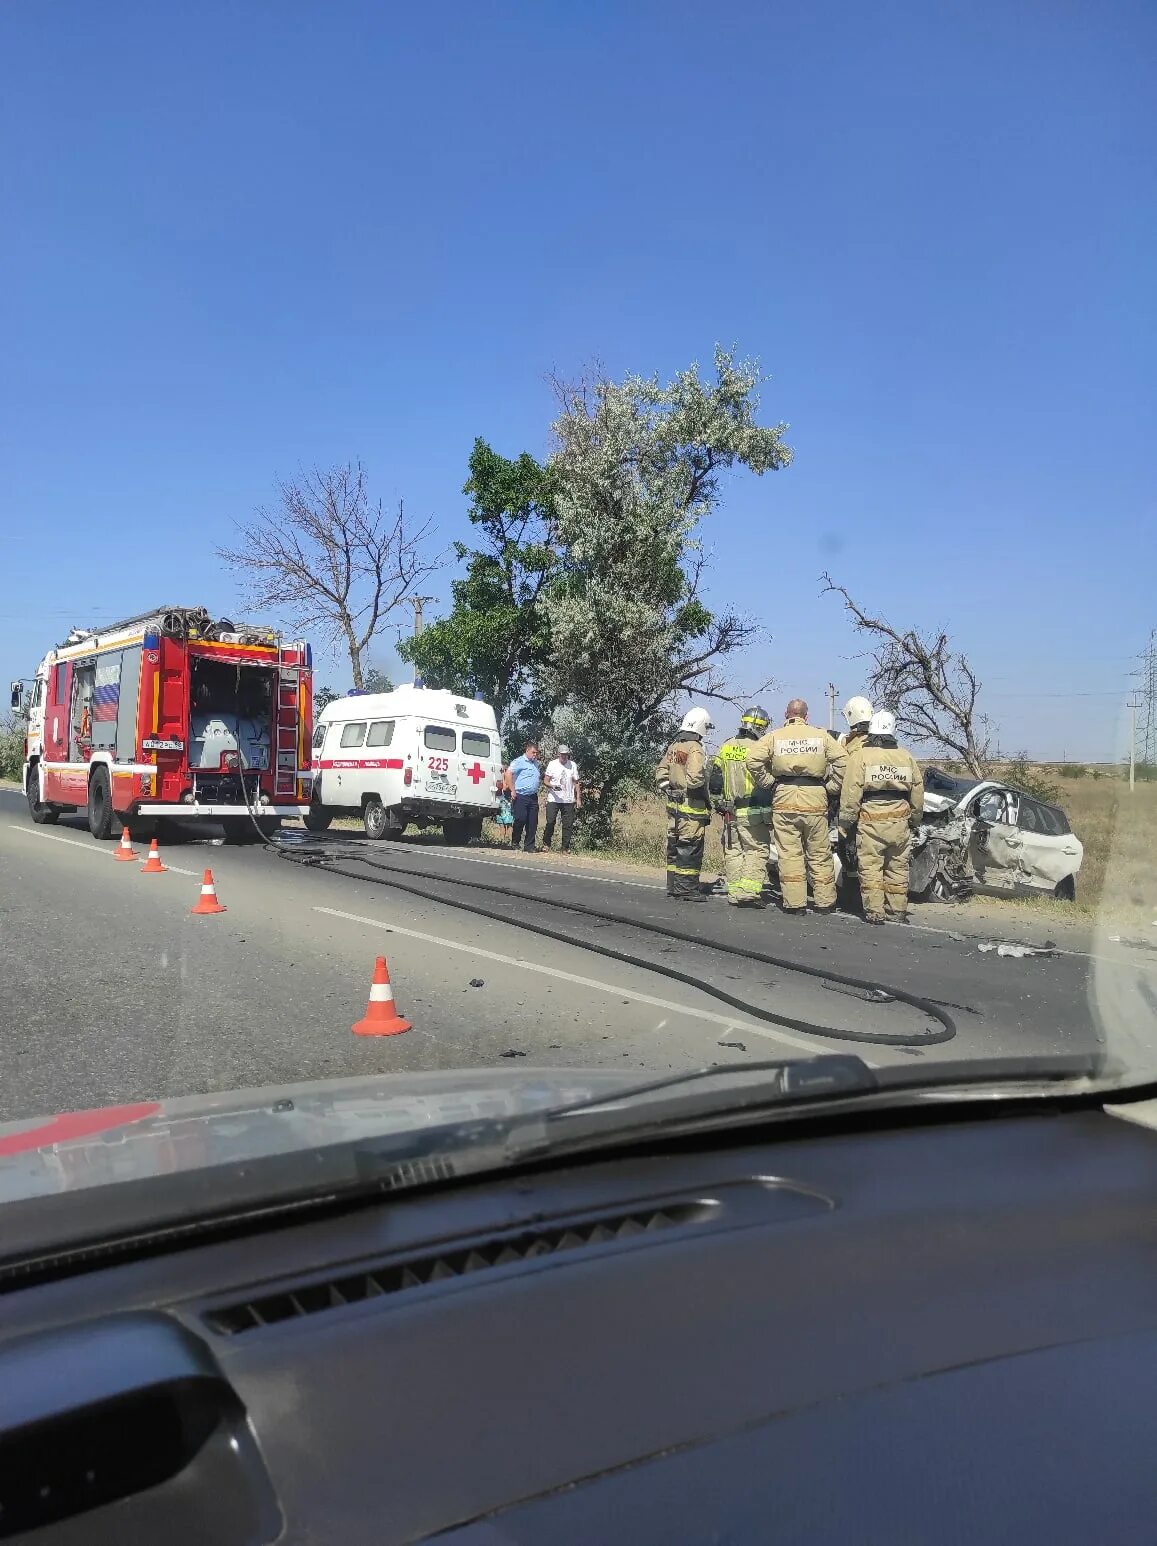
(696, 811)
(675, 869)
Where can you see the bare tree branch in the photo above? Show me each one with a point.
(932, 690)
(330, 560)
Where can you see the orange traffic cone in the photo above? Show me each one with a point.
(208, 902)
(153, 865)
(382, 1017)
(125, 853)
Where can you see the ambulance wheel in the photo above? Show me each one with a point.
(376, 819)
(41, 812)
(100, 813)
(457, 831)
(318, 819)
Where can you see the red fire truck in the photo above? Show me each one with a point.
(171, 714)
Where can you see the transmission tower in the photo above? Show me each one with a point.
(1146, 695)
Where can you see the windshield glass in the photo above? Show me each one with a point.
(752, 532)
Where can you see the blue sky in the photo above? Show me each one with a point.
(238, 238)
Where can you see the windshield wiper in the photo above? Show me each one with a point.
(403, 1159)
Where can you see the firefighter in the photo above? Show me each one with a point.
(858, 713)
(682, 778)
(884, 793)
(749, 812)
(801, 765)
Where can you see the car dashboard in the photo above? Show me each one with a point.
(901, 1330)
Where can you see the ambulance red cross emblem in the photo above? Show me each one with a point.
(476, 774)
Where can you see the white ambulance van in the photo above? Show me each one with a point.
(416, 756)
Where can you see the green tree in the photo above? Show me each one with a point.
(322, 698)
(637, 468)
(496, 633)
(12, 731)
(377, 681)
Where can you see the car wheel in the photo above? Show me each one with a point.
(100, 816)
(318, 819)
(41, 812)
(1066, 890)
(922, 870)
(375, 819)
(456, 832)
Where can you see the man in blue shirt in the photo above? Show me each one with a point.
(523, 779)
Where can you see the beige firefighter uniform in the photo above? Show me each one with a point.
(884, 794)
(850, 739)
(745, 860)
(682, 777)
(800, 764)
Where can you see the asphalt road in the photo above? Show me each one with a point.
(112, 992)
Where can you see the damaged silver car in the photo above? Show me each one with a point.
(977, 835)
(991, 837)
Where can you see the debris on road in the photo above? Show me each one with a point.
(740, 1046)
(869, 994)
(477, 982)
(513, 1052)
(1007, 947)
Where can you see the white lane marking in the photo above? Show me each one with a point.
(75, 842)
(729, 1022)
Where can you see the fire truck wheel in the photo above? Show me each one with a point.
(41, 812)
(100, 815)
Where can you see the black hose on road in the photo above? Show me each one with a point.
(315, 856)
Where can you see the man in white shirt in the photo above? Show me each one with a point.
(563, 797)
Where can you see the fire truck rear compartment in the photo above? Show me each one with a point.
(231, 731)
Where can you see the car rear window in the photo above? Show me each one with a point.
(440, 738)
(353, 734)
(475, 744)
(381, 733)
(1046, 819)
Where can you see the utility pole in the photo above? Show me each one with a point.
(833, 694)
(418, 602)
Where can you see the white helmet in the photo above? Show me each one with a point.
(697, 720)
(857, 711)
(882, 723)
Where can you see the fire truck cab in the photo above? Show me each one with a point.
(171, 714)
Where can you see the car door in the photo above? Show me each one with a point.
(1048, 852)
(994, 843)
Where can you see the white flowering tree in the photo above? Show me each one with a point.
(637, 467)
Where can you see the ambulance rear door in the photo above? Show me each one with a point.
(479, 766)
